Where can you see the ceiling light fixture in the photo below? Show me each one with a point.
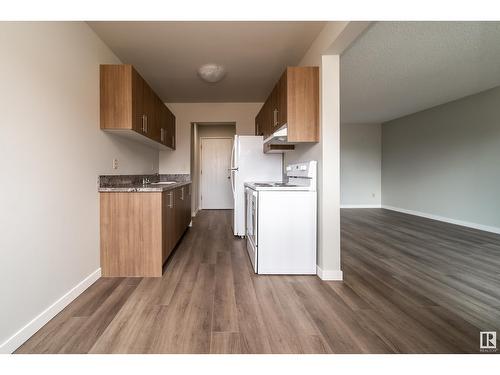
(211, 72)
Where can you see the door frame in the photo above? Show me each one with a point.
(200, 163)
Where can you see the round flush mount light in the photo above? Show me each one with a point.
(211, 72)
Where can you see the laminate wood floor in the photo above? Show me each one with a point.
(412, 285)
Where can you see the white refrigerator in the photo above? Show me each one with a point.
(249, 163)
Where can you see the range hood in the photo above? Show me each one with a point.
(278, 141)
(279, 137)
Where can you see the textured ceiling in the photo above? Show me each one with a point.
(398, 68)
(168, 54)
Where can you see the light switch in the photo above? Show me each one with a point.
(115, 163)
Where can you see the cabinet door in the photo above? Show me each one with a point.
(171, 130)
(258, 124)
(137, 102)
(303, 104)
(163, 124)
(149, 104)
(157, 119)
(187, 205)
(273, 103)
(266, 119)
(282, 99)
(168, 224)
(117, 84)
(173, 227)
(179, 208)
(185, 200)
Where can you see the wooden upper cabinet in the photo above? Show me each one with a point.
(163, 123)
(274, 107)
(267, 117)
(129, 104)
(294, 102)
(166, 127)
(258, 124)
(282, 99)
(170, 130)
(261, 119)
(112, 95)
(302, 90)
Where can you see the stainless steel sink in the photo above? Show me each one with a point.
(163, 183)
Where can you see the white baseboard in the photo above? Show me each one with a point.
(467, 224)
(18, 338)
(360, 206)
(329, 274)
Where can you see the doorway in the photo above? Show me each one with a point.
(215, 183)
(207, 130)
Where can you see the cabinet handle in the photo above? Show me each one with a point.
(143, 126)
(173, 141)
(162, 135)
(146, 116)
(182, 193)
(275, 114)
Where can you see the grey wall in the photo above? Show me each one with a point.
(445, 161)
(360, 165)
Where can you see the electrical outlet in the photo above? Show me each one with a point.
(115, 163)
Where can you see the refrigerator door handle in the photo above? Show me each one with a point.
(232, 154)
(233, 168)
(232, 176)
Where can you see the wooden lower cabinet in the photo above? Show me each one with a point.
(140, 230)
(168, 224)
(183, 205)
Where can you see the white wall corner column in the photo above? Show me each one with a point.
(325, 52)
(329, 267)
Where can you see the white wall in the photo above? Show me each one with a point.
(51, 152)
(226, 130)
(327, 151)
(444, 162)
(360, 165)
(243, 114)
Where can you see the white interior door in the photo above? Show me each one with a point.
(215, 173)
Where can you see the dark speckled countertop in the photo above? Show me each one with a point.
(133, 183)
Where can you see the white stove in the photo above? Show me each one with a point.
(273, 186)
(281, 222)
(301, 177)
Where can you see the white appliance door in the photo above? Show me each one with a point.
(287, 232)
(233, 169)
(233, 174)
(252, 226)
(253, 165)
